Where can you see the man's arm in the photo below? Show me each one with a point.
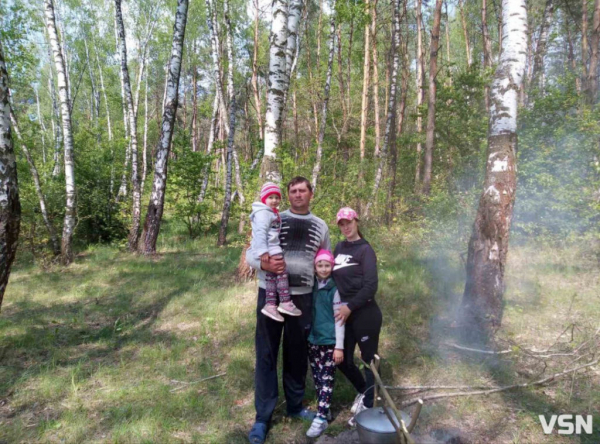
(274, 265)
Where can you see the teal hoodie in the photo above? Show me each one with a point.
(326, 301)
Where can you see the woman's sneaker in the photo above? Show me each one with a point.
(317, 427)
(271, 311)
(289, 308)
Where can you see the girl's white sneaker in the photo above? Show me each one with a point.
(317, 427)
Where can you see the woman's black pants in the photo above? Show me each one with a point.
(362, 328)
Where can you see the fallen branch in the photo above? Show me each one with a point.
(437, 387)
(185, 384)
(487, 352)
(499, 389)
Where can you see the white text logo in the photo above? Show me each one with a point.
(566, 425)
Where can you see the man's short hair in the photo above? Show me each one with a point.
(298, 180)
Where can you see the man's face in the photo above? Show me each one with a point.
(300, 196)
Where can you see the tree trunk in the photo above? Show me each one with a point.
(38, 187)
(131, 112)
(70, 209)
(317, 167)
(584, 42)
(430, 140)
(488, 246)
(157, 198)
(571, 56)
(108, 124)
(420, 90)
(211, 20)
(42, 126)
(56, 126)
(209, 147)
(375, 79)
(390, 126)
(465, 32)
(145, 153)
(276, 92)
(487, 50)
(592, 74)
(10, 206)
(540, 48)
(194, 109)
(364, 109)
(95, 96)
(231, 138)
(255, 90)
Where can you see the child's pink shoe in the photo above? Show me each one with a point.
(271, 311)
(289, 308)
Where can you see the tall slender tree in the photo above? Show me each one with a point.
(157, 198)
(134, 231)
(10, 206)
(430, 140)
(488, 246)
(65, 108)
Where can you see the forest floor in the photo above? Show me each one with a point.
(115, 347)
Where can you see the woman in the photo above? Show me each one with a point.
(355, 274)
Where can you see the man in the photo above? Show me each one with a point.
(302, 235)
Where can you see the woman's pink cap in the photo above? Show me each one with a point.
(346, 213)
(324, 255)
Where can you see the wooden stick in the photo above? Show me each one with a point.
(417, 412)
(398, 431)
(500, 389)
(487, 352)
(375, 389)
(437, 387)
(409, 440)
(185, 384)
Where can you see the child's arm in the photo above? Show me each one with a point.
(261, 221)
(338, 353)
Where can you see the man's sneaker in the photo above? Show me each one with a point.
(359, 408)
(357, 401)
(317, 427)
(271, 311)
(304, 414)
(289, 308)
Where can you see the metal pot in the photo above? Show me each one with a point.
(374, 427)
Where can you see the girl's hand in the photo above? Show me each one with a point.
(338, 356)
(342, 314)
(264, 258)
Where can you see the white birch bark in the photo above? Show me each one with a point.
(390, 125)
(56, 119)
(157, 197)
(70, 208)
(317, 166)
(488, 246)
(211, 21)
(145, 152)
(10, 206)
(135, 176)
(231, 138)
(364, 109)
(37, 185)
(276, 91)
(95, 97)
(420, 91)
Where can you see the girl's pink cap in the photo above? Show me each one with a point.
(267, 189)
(346, 213)
(324, 255)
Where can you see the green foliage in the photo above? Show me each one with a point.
(185, 183)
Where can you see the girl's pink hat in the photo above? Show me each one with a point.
(324, 255)
(267, 189)
(346, 213)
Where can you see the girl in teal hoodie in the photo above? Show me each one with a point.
(326, 339)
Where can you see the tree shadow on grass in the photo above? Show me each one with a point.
(110, 313)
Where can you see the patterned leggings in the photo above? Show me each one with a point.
(323, 370)
(277, 284)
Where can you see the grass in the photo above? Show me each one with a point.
(102, 351)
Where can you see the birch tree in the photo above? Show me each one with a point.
(278, 83)
(592, 73)
(390, 126)
(231, 138)
(10, 206)
(540, 49)
(364, 109)
(157, 198)
(133, 143)
(65, 108)
(37, 185)
(420, 90)
(317, 167)
(488, 246)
